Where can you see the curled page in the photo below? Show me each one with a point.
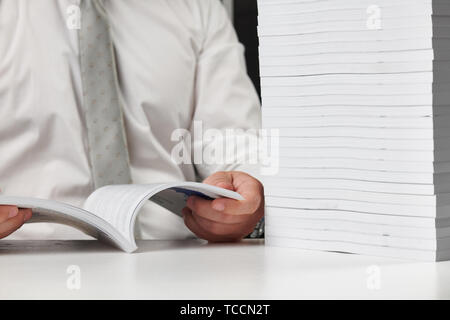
(120, 204)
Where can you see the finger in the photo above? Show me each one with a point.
(185, 211)
(7, 212)
(247, 186)
(203, 208)
(221, 179)
(27, 214)
(216, 228)
(238, 207)
(252, 191)
(11, 225)
(193, 226)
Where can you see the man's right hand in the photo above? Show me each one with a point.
(11, 219)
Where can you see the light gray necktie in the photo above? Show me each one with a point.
(103, 113)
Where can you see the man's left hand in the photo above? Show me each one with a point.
(226, 219)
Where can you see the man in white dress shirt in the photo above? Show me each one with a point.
(179, 63)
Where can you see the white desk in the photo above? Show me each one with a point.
(196, 270)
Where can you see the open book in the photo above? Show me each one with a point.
(109, 213)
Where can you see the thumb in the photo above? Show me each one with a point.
(221, 179)
(7, 212)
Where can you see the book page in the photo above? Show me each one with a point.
(119, 204)
(58, 212)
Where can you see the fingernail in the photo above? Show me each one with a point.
(219, 206)
(27, 215)
(13, 212)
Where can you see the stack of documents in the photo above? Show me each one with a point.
(360, 93)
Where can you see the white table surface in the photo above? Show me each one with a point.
(193, 269)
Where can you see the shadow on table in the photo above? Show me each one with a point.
(52, 246)
(93, 246)
(164, 245)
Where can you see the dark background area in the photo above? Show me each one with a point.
(246, 21)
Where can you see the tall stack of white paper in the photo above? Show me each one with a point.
(360, 92)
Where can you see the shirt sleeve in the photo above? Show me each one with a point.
(227, 107)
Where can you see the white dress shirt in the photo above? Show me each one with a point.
(178, 61)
